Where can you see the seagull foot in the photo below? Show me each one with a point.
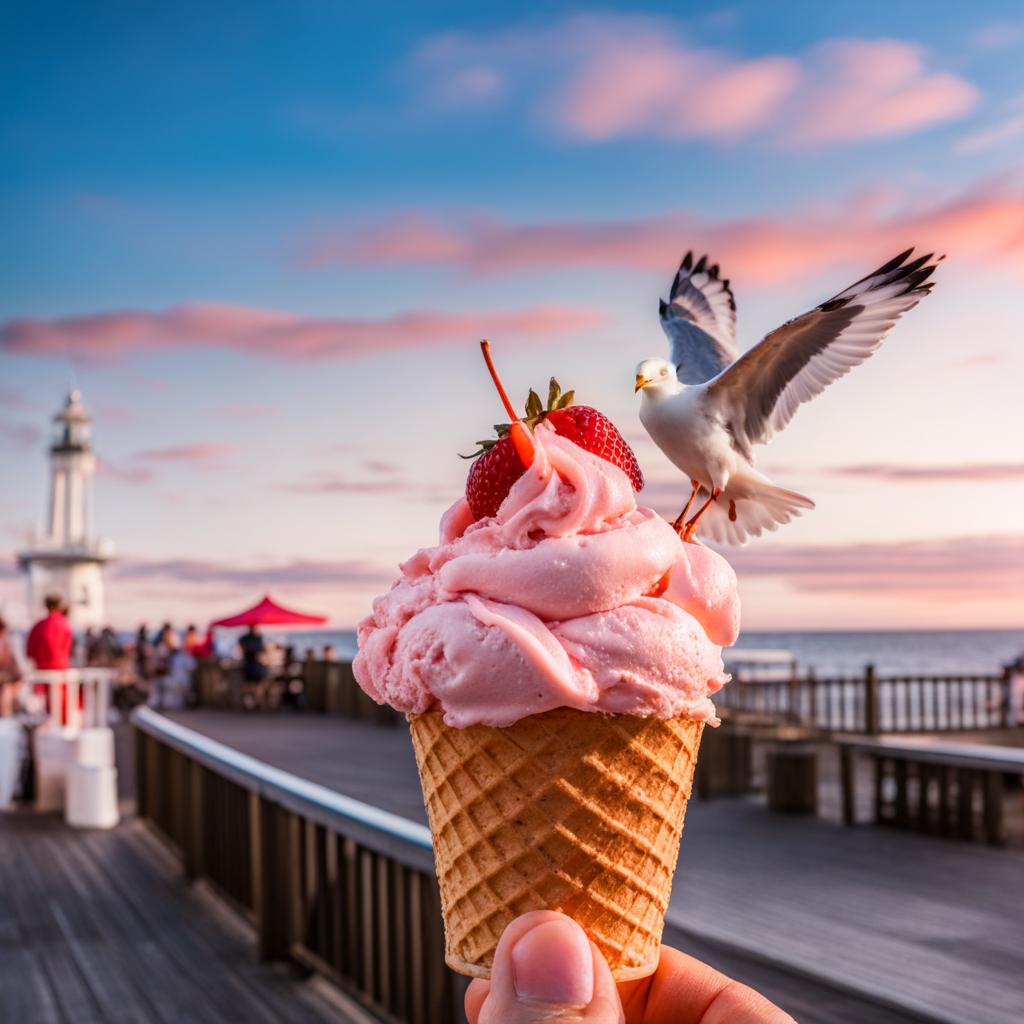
(681, 518)
(691, 526)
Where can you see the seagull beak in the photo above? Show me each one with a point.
(641, 382)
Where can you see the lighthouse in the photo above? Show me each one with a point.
(66, 558)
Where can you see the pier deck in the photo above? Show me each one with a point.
(931, 927)
(98, 927)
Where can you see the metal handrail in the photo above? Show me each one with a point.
(299, 795)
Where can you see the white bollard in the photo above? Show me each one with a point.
(95, 748)
(92, 797)
(10, 746)
(54, 749)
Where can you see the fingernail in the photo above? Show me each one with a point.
(552, 963)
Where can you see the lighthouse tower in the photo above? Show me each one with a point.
(66, 559)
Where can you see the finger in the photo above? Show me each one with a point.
(686, 991)
(476, 993)
(545, 968)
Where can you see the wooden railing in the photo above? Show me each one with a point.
(946, 789)
(345, 889)
(876, 704)
(330, 686)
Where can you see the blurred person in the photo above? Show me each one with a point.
(143, 653)
(328, 652)
(166, 647)
(294, 692)
(10, 673)
(49, 646)
(254, 664)
(207, 647)
(89, 640)
(179, 664)
(50, 640)
(192, 640)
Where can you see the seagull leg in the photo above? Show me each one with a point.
(681, 518)
(691, 525)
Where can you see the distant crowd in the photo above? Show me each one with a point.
(156, 667)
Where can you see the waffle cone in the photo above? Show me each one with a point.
(569, 810)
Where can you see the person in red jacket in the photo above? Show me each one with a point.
(49, 645)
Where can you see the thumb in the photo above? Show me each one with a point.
(546, 969)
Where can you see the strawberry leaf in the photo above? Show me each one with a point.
(533, 405)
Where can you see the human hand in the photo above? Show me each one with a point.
(546, 969)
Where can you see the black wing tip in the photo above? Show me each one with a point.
(690, 265)
(913, 274)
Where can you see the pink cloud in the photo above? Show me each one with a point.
(295, 572)
(273, 333)
(982, 224)
(21, 435)
(123, 474)
(981, 472)
(602, 76)
(247, 410)
(865, 89)
(200, 452)
(650, 86)
(953, 569)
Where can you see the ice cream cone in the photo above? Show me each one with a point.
(573, 811)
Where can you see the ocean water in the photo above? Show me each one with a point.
(890, 651)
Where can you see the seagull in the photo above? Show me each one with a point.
(709, 406)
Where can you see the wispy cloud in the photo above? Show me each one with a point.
(267, 332)
(980, 472)
(998, 35)
(347, 485)
(956, 569)
(247, 410)
(597, 77)
(1008, 128)
(982, 224)
(199, 452)
(123, 474)
(294, 572)
(19, 435)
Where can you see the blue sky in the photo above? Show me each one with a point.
(280, 228)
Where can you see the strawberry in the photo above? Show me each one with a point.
(500, 463)
(593, 431)
(491, 477)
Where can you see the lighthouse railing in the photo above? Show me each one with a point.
(87, 703)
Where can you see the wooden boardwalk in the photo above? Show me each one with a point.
(98, 927)
(805, 909)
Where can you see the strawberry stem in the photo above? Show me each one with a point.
(485, 347)
(520, 435)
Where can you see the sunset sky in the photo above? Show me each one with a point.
(265, 239)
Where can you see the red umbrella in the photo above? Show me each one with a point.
(269, 613)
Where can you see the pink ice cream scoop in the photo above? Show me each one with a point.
(572, 596)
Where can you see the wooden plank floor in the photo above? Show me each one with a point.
(98, 927)
(934, 927)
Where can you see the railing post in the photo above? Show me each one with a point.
(193, 845)
(273, 872)
(846, 771)
(1006, 696)
(142, 808)
(870, 701)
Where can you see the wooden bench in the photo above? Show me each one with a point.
(946, 789)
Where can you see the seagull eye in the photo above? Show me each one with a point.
(663, 371)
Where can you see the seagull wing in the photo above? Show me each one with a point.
(761, 391)
(700, 321)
